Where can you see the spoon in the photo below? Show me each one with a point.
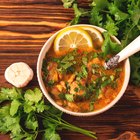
(129, 50)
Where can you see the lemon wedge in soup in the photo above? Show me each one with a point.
(72, 37)
(96, 36)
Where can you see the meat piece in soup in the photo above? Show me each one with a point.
(79, 82)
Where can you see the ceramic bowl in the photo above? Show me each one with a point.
(42, 54)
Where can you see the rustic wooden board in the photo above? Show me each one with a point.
(25, 25)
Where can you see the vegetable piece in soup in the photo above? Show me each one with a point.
(79, 82)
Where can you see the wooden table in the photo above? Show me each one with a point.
(25, 25)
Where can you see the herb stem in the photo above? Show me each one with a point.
(65, 125)
(126, 39)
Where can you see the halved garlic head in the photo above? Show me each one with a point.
(19, 74)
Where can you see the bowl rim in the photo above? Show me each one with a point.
(41, 56)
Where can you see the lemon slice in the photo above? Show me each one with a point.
(70, 38)
(96, 36)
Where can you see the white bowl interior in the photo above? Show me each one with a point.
(42, 54)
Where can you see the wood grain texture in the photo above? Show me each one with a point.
(25, 25)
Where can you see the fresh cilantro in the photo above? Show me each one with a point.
(20, 118)
(68, 3)
(117, 13)
(95, 17)
(62, 96)
(66, 63)
(81, 86)
(111, 26)
(9, 94)
(50, 83)
(95, 55)
(69, 97)
(76, 89)
(106, 82)
(29, 107)
(84, 71)
(15, 104)
(120, 18)
(50, 134)
(110, 47)
(78, 12)
(33, 95)
(84, 60)
(82, 74)
(65, 96)
(67, 86)
(31, 122)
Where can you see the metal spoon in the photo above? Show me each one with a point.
(129, 50)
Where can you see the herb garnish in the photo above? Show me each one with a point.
(120, 18)
(22, 118)
(82, 74)
(66, 63)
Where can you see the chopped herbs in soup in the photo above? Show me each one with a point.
(78, 81)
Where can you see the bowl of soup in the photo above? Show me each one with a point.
(75, 81)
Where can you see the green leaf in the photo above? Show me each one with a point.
(110, 47)
(78, 12)
(4, 114)
(134, 10)
(67, 62)
(29, 107)
(55, 136)
(33, 95)
(40, 107)
(55, 111)
(95, 17)
(118, 14)
(110, 26)
(68, 3)
(136, 16)
(27, 117)
(15, 127)
(69, 97)
(4, 111)
(16, 137)
(62, 96)
(50, 83)
(100, 4)
(51, 135)
(84, 60)
(14, 107)
(31, 122)
(84, 71)
(21, 136)
(50, 126)
(82, 74)
(9, 94)
(10, 124)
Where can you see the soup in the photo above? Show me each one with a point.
(78, 81)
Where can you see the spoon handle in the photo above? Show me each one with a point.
(129, 50)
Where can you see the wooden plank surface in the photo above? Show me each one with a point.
(25, 25)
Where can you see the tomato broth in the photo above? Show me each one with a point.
(78, 81)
